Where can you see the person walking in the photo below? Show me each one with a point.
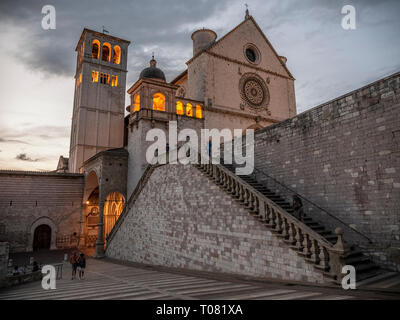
(73, 259)
(298, 208)
(81, 265)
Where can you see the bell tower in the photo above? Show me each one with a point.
(99, 99)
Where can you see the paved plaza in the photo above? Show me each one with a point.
(107, 279)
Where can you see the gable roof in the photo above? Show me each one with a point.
(233, 30)
(179, 77)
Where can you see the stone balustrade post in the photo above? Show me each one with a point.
(337, 255)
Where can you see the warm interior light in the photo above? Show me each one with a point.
(189, 109)
(96, 49)
(199, 112)
(159, 102)
(179, 107)
(95, 76)
(117, 55)
(114, 81)
(136, 102)
(106, 54)
(113, 207)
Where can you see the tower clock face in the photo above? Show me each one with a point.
(254, 91)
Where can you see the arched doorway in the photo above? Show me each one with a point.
(42, 237)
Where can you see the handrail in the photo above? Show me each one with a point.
(312, 203)
(287, 215)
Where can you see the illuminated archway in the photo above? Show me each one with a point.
(106, 54)
(91, 209)
(96, 49)
(117, 55)
(179, 107)
(189, 109)
(199, 112)
(159, 102)
(113, 207)
(136, 102)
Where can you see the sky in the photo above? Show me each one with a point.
(37, 83)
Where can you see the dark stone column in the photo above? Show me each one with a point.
(100, 240)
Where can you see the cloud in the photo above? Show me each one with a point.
(37, 86)
(28, 131)
(150, 25)
(12, 141)
(24, 157)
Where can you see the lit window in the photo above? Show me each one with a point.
(106, 55)
(189, 110)
(179, 108)
(136, 102)
(79, 80)
(159, 102)
(104, 78)
(199, 112)
(114, 81)
(95, 76)
(96, 49)
(117, 55)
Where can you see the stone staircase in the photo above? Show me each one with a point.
(327, 251)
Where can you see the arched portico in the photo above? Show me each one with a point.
(104, 195)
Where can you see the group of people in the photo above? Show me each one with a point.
(78, 263)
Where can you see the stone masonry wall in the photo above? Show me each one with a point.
(3, 261)
(344, 156)
(29, 199)
(182, 219)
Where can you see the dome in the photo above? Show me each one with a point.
(152, 72)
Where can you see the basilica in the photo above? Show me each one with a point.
(105, 196)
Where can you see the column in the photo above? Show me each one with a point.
(100, 240)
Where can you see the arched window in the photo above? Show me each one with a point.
(106, 54)
(179, 107)
(189, 109)
(159, 102)
(136, 102)
(199, 112)
(117, 55)
(113, 208)
(95, 49)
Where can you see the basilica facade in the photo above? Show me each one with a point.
(235, 82)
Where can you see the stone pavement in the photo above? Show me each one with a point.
(106, 279)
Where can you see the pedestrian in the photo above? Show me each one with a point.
(35, 266)
(298, 208)
(81, 265)
(73, 259)
(16, 271)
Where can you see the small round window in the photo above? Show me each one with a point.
(251, 55)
